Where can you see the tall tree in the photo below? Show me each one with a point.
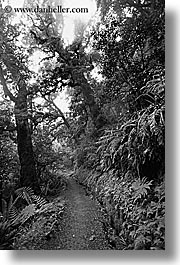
(13, 78)
(72, 65)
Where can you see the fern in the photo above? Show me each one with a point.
(141, 189)
(129, 181)
(13, 213)
(37, 224)
(25, 214)
(7, 235)
(38, 201)
(29, 204)
(25, 193)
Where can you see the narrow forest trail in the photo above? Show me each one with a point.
(81, 226)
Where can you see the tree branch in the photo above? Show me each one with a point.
(59, 111)
(6, 90)
(61, 114)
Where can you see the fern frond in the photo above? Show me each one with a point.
(13, 213)
(25, 214)
(24, 193)
(141, 188)
(39, 201)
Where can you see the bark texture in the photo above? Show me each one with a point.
(24, 140)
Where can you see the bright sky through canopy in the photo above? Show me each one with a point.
(68, 31)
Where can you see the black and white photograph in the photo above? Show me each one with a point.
(82, 125)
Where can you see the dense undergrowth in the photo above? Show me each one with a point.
(124, 165)
(135, 208)
(42, 227)
(124, 169)
(28, 220)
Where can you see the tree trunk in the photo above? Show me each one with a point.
(95, 111)
(28, 176)
(24, 143)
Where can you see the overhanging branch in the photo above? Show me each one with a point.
(59, 111)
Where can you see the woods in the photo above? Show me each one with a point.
(112, 142)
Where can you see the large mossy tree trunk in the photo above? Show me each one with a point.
(28, 175)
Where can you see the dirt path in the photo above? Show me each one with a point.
(81, 228)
